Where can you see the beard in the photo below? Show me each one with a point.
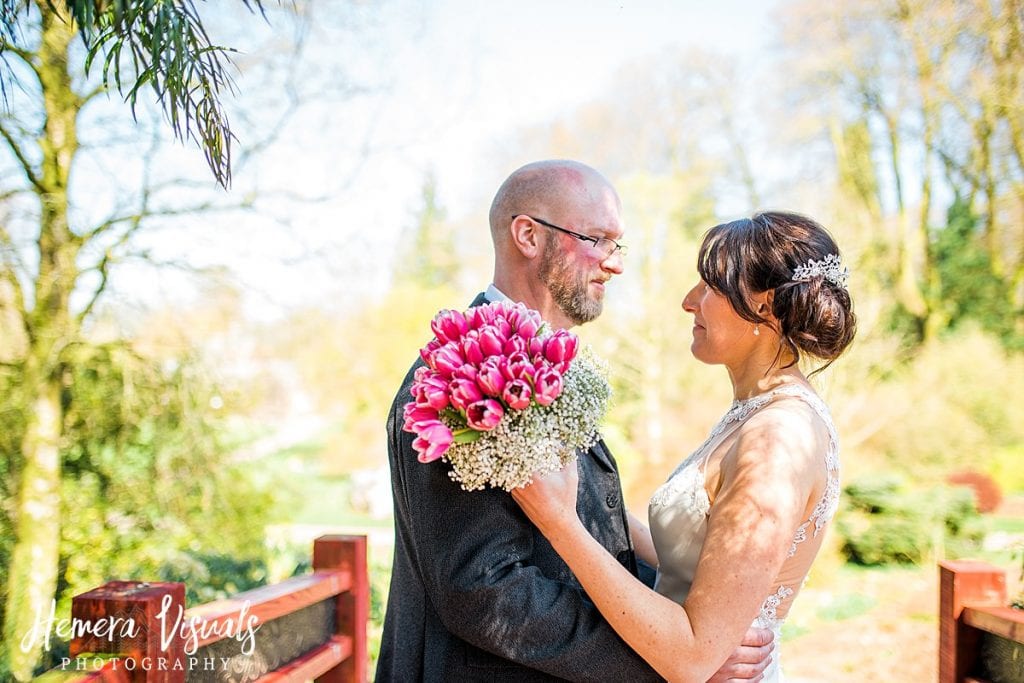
(567, 286)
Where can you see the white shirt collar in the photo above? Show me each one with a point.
(494, 295)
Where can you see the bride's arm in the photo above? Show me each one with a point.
(749, 534)
(642, 542)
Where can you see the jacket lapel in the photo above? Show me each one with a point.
(603, 456)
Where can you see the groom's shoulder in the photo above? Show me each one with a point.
(403, 395)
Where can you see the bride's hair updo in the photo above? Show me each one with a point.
(752, 255)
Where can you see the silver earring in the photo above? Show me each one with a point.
(757, 329)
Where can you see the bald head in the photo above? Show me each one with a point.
(535, 262)
(546, 189)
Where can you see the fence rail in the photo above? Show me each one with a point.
(306, 627)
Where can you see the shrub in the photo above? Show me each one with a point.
(987, 494)
(884, 522)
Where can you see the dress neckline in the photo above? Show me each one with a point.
(741, 408)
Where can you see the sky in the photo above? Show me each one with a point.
(444, 86)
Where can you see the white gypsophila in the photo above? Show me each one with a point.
(538, 439)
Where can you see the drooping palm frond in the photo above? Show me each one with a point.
(165, 46)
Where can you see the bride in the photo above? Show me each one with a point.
(736, 527)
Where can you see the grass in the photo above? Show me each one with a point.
(305, 495)
(1010, 525)
(847, 606)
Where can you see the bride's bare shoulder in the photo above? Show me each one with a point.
(786, 432)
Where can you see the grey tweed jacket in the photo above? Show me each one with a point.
(478, 594)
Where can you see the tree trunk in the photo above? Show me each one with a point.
(908, 285)
(927, 66)
(32, 580)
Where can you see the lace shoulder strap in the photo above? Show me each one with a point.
(825, 509)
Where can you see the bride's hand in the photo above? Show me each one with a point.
(550, 500)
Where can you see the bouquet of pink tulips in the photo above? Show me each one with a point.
(502, 397)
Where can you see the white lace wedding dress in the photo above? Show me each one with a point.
(679, 510)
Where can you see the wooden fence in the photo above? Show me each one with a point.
(306, 627)
(981, 638)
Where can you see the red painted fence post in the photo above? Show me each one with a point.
(348, 554)
(135, 620)
(963, 583)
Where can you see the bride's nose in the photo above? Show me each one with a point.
(690, 300)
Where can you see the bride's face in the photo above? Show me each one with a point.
(719, 334)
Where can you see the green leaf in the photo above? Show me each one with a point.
(466, 435)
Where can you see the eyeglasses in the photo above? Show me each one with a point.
(604, 246)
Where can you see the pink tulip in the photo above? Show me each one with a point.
(464, 392)
(528, 328)
(507, 361)
(561, 346)
(428, 350)
(490, 377)
(514, 345)
(521, 313)
(484, 415)
(433, 441)
(513, 316)
(517, 394)
(472, 351)
(449, 325)
(433, 393)
(536, 348)
(466, 371)
(502, 327)
(520, 367)
(540, 366)
(482, 315)
(447, 359)
(547, 387)
(415, 416)
(491, 341)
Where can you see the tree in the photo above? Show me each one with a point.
(429, 257)
(925, 104)
(161, 44)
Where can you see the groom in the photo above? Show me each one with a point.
(477, 593)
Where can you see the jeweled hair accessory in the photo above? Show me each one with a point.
(830, 268)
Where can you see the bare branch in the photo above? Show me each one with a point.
(26, 165)
(4, 196)
(175, 264)
(103, 268)
(135, 219)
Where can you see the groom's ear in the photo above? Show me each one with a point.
(525, 236)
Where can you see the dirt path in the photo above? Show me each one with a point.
(896, 640)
